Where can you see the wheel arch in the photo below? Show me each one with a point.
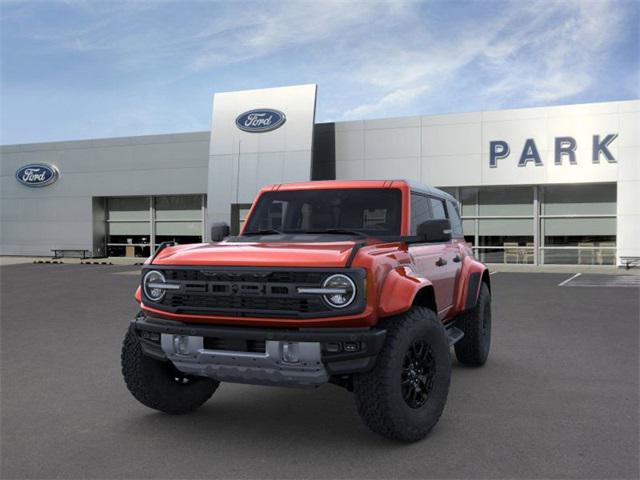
(473, 275)
(403, 289)
(486, 278)
(426, 297)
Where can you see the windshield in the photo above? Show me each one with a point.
(368, 211)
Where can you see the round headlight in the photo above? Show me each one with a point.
(154, 294)
(344, 291)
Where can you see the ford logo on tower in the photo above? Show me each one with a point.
(37, 175)
(260, 120)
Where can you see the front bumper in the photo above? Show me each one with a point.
(322, 352)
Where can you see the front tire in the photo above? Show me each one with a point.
(404, 395)
(159, 385)
(473, 348)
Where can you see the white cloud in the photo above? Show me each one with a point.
(370, 58)
(532, 53)
(257, 32)
(552, 57)
(389, 102)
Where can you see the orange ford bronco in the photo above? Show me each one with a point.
(364, 284)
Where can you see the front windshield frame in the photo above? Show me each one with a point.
(334, 213)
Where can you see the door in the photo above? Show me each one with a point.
(458, 243)
(438, 262)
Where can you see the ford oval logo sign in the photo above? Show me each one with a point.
(37, 175)
(260, 120)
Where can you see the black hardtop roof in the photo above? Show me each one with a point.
(428, 190)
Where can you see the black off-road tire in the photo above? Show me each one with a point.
(473, 348)
(379, 394)
(158, 384)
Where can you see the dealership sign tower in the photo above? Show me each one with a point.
(258, 137)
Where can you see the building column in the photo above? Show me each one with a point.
(205, 236)
(152, 219)
(536, 225)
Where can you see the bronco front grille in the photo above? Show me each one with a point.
(242, 292)
(242, 303)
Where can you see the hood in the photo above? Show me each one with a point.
(270, 254)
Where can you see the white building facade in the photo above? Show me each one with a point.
(553, 185)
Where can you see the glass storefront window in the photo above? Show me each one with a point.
(178, 218)
(511, 239)
(582, 227)
(594, 239)
(505, 201)
(586, 253)
(131, 231)
(179, 228)
(129, 228)
(128, 208)
(505, 227)
(469, 200)
(469, 228)
(179, 207)
(579, 199)
(578, 224)
(511, 252)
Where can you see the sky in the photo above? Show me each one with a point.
(79, 69)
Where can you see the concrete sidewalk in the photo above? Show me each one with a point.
(599, 269)
(494, 267)
(10, 260)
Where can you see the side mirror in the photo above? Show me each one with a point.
(436, 231)
(219, 230)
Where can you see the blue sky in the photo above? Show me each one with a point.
(85, 69)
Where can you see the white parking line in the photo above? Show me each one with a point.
(492, 273)
(569, 279)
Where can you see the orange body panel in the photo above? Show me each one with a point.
(393, 277)
(469, 266)
(399, 290)
(268, 254)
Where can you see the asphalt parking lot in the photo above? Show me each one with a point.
(557, 399)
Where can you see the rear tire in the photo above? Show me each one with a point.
(404, 395)
(473, 348)
(159, 385)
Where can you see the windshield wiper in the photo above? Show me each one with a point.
(267, 231)
(339, 231)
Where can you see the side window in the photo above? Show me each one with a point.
(454, 216)
(437, 207)
(420, 211)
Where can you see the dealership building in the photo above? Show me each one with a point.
(552, 185)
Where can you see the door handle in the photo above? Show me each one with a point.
(457, 258)
(441, 262)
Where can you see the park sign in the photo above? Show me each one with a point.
(564, 148)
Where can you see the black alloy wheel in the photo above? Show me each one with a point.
(418, 372)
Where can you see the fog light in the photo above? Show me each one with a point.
(151, 336)
(351, 347)
(291, 352)
(181, 344)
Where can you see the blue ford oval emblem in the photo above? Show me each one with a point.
(260, 120)
(37, 175)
